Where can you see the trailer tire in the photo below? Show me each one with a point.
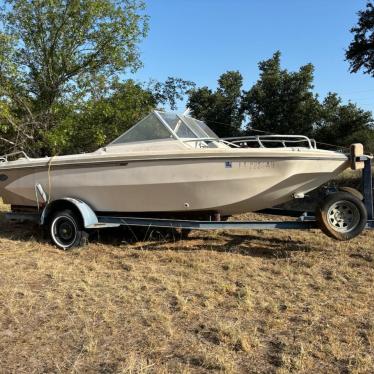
(66, 230)
(342, 216)
(352, 191)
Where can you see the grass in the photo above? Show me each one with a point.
(235, 302)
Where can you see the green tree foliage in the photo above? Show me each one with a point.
(344, 124)
(170, 91)
(52, 51)
(220, 109)
(101, 120)
(360, 52)
(282, 101)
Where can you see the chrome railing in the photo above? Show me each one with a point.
(260, 140)
(5, 158)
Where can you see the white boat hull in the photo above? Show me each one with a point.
(215, 183)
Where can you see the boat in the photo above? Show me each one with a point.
(174, 164)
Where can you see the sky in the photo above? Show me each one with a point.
(198, 40)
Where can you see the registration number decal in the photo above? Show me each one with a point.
(251, 164)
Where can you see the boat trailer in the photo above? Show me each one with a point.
(90, 220)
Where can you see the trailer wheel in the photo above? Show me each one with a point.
(66, 230)
(342, 216)
(352, 191)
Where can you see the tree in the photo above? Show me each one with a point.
(54, 50)
(344, 124)
(281, 101)
(220, 109)
(100, 120)
(360, 52)
(170, 91)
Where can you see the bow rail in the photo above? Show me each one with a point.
(262, 140)
(5, 158)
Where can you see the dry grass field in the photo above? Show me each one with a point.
(235, 302)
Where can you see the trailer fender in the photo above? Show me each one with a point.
(88, 216)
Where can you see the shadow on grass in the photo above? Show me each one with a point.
(167, 239)
(20, 231)
(247, 245)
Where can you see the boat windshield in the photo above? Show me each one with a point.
(161, 125)
(149, 128)
(187, 127)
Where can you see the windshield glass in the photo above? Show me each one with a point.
(187, 127)
(198, 127)
(205, 127)
(159, 125)
(149, 128)
(171, 119)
